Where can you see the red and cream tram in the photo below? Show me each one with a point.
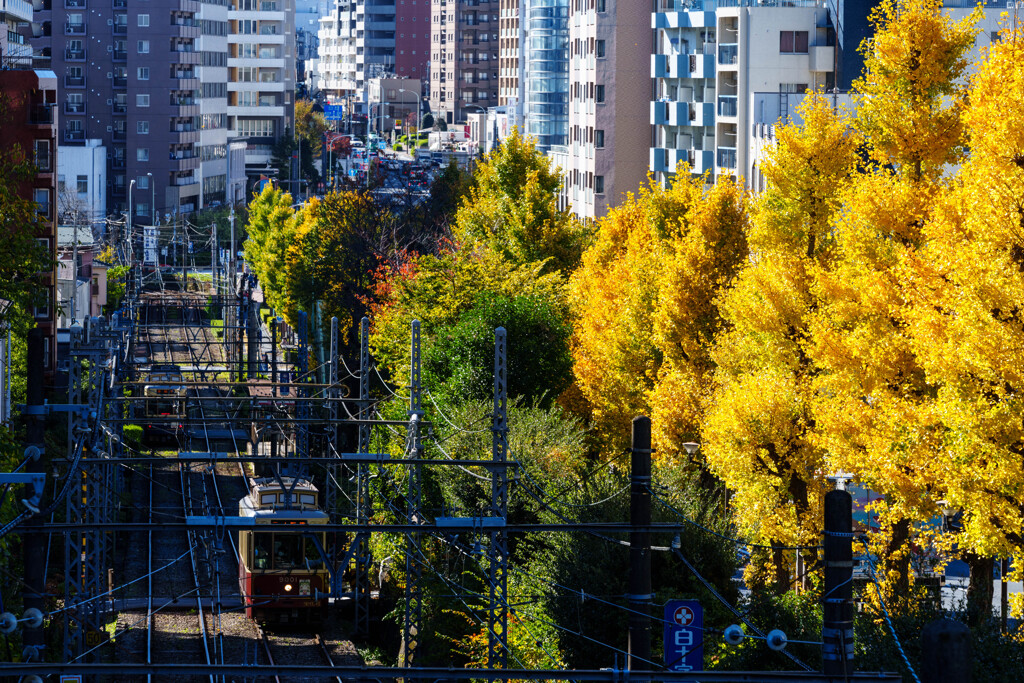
(281, 571)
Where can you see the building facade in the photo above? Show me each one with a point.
(15, 49)
(144, 81)
(708, 64)
(546, 54)
(606, 154)
(511, 44)
(31, 120)
(261, 76)
(464, 46)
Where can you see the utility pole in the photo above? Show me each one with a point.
(640, 546)
(837, 622)
(232, 301)
(33, 540)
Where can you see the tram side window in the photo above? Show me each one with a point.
(263, 544)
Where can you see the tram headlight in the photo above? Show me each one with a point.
(287, 588)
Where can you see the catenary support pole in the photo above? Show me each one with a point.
(640, 546)
(837, 623)
(33, 540)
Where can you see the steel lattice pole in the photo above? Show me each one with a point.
(497, 617)
(413, 566)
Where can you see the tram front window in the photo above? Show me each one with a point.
(263, 544)
(287, 551)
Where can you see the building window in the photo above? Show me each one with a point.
(599, 138)
(42, 156)
(793, 42)
(142, 127)
(142, 100)
(599, 93)
(142, 182)
(142, 208)
(599, 184)
(83, 184)
(143, 20)
(42, 197)
(600, 49)
(142, 154)
(601, 6)
(143, 47)
(143, 73)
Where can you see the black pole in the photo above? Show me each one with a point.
(273, 381)
(837, 624)
(640, 546)
(33, 540)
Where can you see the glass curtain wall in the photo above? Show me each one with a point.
(547, 72)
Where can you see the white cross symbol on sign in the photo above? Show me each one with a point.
(683, 616)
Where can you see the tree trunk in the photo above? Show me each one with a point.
(979, 590)
(781, 570)
(897, 559)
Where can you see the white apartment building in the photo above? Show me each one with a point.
(261, 75)
(606, 155)
(338, 68)
(709, 64)
(15, 50)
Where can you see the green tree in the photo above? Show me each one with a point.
(513, 208)
(459, 361)
(271, 230)
(310, 126)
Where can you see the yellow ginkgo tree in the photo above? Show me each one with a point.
(874, 403)
(760, 430)
(967, 322)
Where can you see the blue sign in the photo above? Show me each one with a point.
(684, 635)
(284, 377)
(334, 112)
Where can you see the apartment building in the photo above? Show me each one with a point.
(338, 69)
(511, 43)
(546, 55)
(261, 76)
(412, 39)
(707, 66)
(464, 44)
(606, 154)
(15, 49)
(130, 79)
(31, 121)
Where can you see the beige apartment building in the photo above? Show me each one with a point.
(606, 156)
(463, 57)
(510, 53)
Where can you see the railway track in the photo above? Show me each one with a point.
(191, 611)
(295, 648)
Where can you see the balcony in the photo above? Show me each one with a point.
(74, 81)
(727, 158)
(702, 114)
(40, 115)
(74, 107)
(120, 4)
(670, 113)
(822, 58)
(120, 55)
(120, 108)
(184, 163)
(117, 163)
(74, 4)
(120, 81)
(727, 105)
(74, 29)
(74, 136)
(74, 55)
(190, 57)
(120, 29)
(118, 135)
(728, 54)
